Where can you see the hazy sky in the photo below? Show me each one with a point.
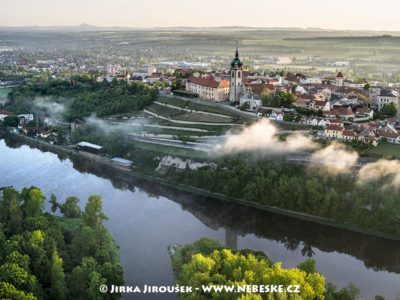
(336, 14)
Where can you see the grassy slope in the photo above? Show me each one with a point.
(385, 149)
(177, 114)
(195, 106)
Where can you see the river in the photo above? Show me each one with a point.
(145, 218)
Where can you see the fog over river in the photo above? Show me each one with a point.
(145, 218)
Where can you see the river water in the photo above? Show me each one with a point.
(145, 218)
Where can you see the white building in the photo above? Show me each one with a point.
(386, 97)
(253, 102)
(310, 80)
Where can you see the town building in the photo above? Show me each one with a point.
(208, 88)
(253, 102)
(386, 97)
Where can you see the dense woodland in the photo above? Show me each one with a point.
(314, 191)
(207, 262)
(80, 97)
(47, 257)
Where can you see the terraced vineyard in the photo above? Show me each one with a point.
(176, 114)
(195, 106)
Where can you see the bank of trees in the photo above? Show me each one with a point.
(318, 192)
(48, 257)
(206, 262)
(82, 96)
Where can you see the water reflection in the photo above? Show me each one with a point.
(145, 217)
(238, 220)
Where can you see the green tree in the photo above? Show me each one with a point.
(33, 201)
(308, 266)
(390, 109)
(8, 291)
(93, 214)
(58, 289)
(224, 267)
(367, 87)
(11, 121)
(70, 208)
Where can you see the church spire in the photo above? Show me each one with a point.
(236, 61)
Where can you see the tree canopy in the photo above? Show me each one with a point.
(48, 257)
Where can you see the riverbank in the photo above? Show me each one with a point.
(124, 175)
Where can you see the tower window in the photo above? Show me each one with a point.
(233, 73)
(239, 74)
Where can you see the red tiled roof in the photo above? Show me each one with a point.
(349, 133)
(334, 127)
(320, 103)
(363, 110)
(4, 112)
(336, 121)
(208, 82)
(339, 74)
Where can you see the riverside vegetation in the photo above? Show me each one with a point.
(207, 262)
(47, 257)
(316, 191)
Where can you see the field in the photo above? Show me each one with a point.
(371, 54)
(385, 150)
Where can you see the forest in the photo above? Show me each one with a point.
(315, 191)
(208, 262)
(79, 97)
(43, 256)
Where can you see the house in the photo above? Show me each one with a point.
(301, 103)
(386, 97)
(372, 140)
(26, 117)
(341, 112)
(276, 115)
(363, 112)
(349, 135)
(334, 131)
(4, 114)
(45, 134)
(312, 121)
(208, 88)
(324, 122)
(310, 80)
(254, 103)
(321, 105)
(390, 137)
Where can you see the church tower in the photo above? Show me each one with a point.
(236, 75)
